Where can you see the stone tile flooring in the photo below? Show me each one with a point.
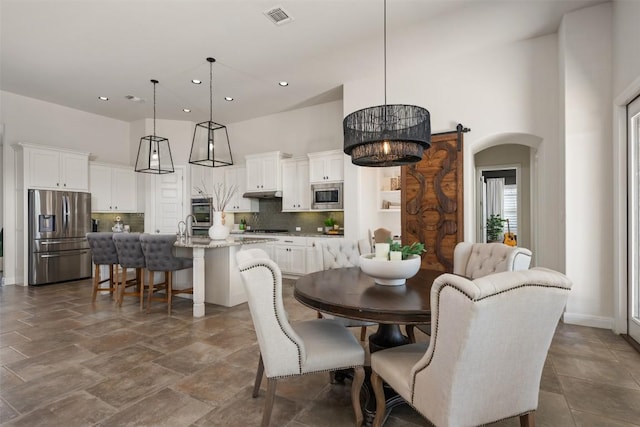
(66, 362)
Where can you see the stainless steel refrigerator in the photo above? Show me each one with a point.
(58, 247)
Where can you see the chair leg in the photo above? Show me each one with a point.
(528, 420)
(376, 382)
(356, 386)
(363, 333)
(410, 333)
(256, 384)
(268, 403)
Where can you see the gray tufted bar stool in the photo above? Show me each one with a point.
(158, 251)
(130, 256)
(103, 252)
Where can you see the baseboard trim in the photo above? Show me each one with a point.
(587, 320)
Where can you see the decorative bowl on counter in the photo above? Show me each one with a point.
(390, 273)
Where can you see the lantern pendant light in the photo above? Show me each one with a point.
(210, 145)
(154, 153)
(387, 135)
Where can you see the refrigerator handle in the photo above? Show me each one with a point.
(65, 212)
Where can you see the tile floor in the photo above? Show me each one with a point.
(66, 362)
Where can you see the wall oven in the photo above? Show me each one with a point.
(201, 210)
(327, 196)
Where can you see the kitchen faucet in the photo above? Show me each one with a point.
(181, 230)
(190, 220)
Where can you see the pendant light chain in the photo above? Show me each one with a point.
(211, 60)
(154, 106)
(385, 52)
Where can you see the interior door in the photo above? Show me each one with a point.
(169, 206)
(432, 200)
(633, 135)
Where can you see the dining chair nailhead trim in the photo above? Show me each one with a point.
(437, 323)
(274, 301)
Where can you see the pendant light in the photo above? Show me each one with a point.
(210, 145)
(154, 153)
(387, 135)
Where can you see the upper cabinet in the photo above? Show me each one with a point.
(113, 188)
(201, 179)
(56, 169)
(296, 193)
(237, 176)
(326, 166)
(264, 171)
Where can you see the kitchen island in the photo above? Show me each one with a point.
(219, 282)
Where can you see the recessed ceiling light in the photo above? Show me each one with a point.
(186, 110)
(228, 98)
(283, 84)
(196, 81)
(134, 98)
(103, 98)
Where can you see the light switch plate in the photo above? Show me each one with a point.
(298, 228)
(319, 229)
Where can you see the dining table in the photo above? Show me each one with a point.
(349, 292)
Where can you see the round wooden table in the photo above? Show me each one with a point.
(348, 292)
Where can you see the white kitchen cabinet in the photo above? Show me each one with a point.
(201, 179)
(113, 188)
(290, 254)
(326, 166)
(296, 193)
(237, 176)
(264, 171)
(55, 169)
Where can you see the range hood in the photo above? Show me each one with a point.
(263, 194)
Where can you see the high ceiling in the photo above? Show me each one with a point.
(69, 52)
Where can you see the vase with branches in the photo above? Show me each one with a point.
(222, 195)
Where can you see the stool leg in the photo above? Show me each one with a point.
(140, 279)
(96, 283)
(122, 286)
(112, 281)
(150, 290)
(169, 282)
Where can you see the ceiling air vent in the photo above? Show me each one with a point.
(278, 16)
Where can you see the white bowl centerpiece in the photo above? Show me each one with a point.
(396, 271)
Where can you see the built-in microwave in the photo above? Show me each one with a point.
(327, 196)
(201, 211)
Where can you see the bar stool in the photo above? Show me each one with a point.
(103, 252)
(130, 256)
(158, 253)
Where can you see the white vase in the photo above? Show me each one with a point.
(218, 231)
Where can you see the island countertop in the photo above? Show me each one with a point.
(205, 242)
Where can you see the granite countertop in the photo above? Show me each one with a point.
(205, 242)
(297, 233)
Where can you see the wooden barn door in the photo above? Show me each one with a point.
(432, 200)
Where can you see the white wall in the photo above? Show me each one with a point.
(626, 49)
(508, 89)
(587, 74)
(30, 120)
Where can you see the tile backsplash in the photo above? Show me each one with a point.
(106, 220)
(272, 217)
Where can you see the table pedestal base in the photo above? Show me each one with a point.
(386, 336)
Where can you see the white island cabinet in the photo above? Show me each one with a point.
(216, 278)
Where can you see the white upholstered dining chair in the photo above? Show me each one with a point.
(485, 357)
(474, 260)
(338, 254)
(290, 349)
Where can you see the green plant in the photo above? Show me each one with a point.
(495, 226)
(329, 222)
(413, 249)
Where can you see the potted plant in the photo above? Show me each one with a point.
(495, 227)
(328, 224)
(406, 250)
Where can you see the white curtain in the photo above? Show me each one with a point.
(495, 197)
